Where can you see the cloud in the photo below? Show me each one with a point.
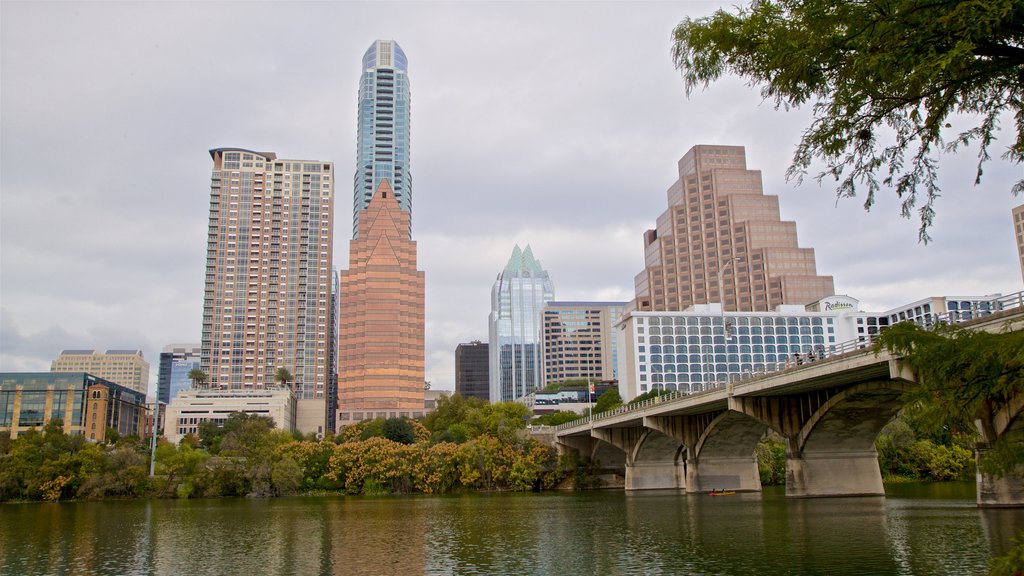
(557, 125)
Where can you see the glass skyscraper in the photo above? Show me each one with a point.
(176, 361)
(383, 140)
(517, 302)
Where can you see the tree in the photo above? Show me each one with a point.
(964, 377)
(283, 376)
(198, 377)
(883, 78)
(555, 418)
(610, 400)
(399, 430)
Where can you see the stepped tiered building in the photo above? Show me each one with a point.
(381, 334)
(720, 226)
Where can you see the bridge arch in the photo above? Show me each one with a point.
(851, 420)
(655, 446)
(730, 435)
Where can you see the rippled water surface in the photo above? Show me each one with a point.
(917, 529)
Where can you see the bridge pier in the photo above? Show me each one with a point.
(722, 473)
(1005, 425)
(833, 474)
(655, 476)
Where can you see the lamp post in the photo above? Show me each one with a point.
(721, 296)
(152, 444)
(721, 289)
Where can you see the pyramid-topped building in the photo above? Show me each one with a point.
(381, 334)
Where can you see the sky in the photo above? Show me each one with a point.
(557, 125)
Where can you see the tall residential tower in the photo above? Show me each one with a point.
(383, 141)
(720, 227)
(268, 276)
(518, 298)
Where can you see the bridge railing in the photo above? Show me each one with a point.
(978, 309)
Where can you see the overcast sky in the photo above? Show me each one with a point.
(557, 125)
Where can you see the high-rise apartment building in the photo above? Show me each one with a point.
(1018, 231)
(383, 142)
(518, 296)
(471, 379)
(127, 368)
(267, 299)
(381, 333)
(580, 341)
(720, 227)
(176, 361)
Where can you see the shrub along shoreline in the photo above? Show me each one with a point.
(464, 446)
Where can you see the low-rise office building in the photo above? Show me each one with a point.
(86, 404)
(190, 408)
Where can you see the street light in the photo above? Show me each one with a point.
(721, 296)
(152, 445)
(721, 289)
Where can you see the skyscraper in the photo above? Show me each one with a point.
(471, 379)
(176, 361)
(383, 142)
(580, 341)
(721, 227)
(381, 333)
(518, 296)
(268, 275)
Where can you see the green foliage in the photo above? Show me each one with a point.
(198, 377)
(883, 79)
(212, 434)
(1011, 563)
(399, 430)
(906, 454)
(610, 400)
(650, 395)
(771, 460)
(964, 378)
(555, 418)
(458, 419)
(283, 376)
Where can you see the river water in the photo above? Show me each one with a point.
(916, 529)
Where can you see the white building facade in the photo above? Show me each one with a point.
(704, 347)
(190, 408)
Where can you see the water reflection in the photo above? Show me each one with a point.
(915, 530)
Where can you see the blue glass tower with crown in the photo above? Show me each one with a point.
(518, 297)
(383, 141)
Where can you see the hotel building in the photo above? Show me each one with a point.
(720, 228)
(268, 276)
(124, 367)
(580, 341)
(518, 297)
(706, 347)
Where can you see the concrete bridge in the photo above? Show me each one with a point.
(829, 412)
